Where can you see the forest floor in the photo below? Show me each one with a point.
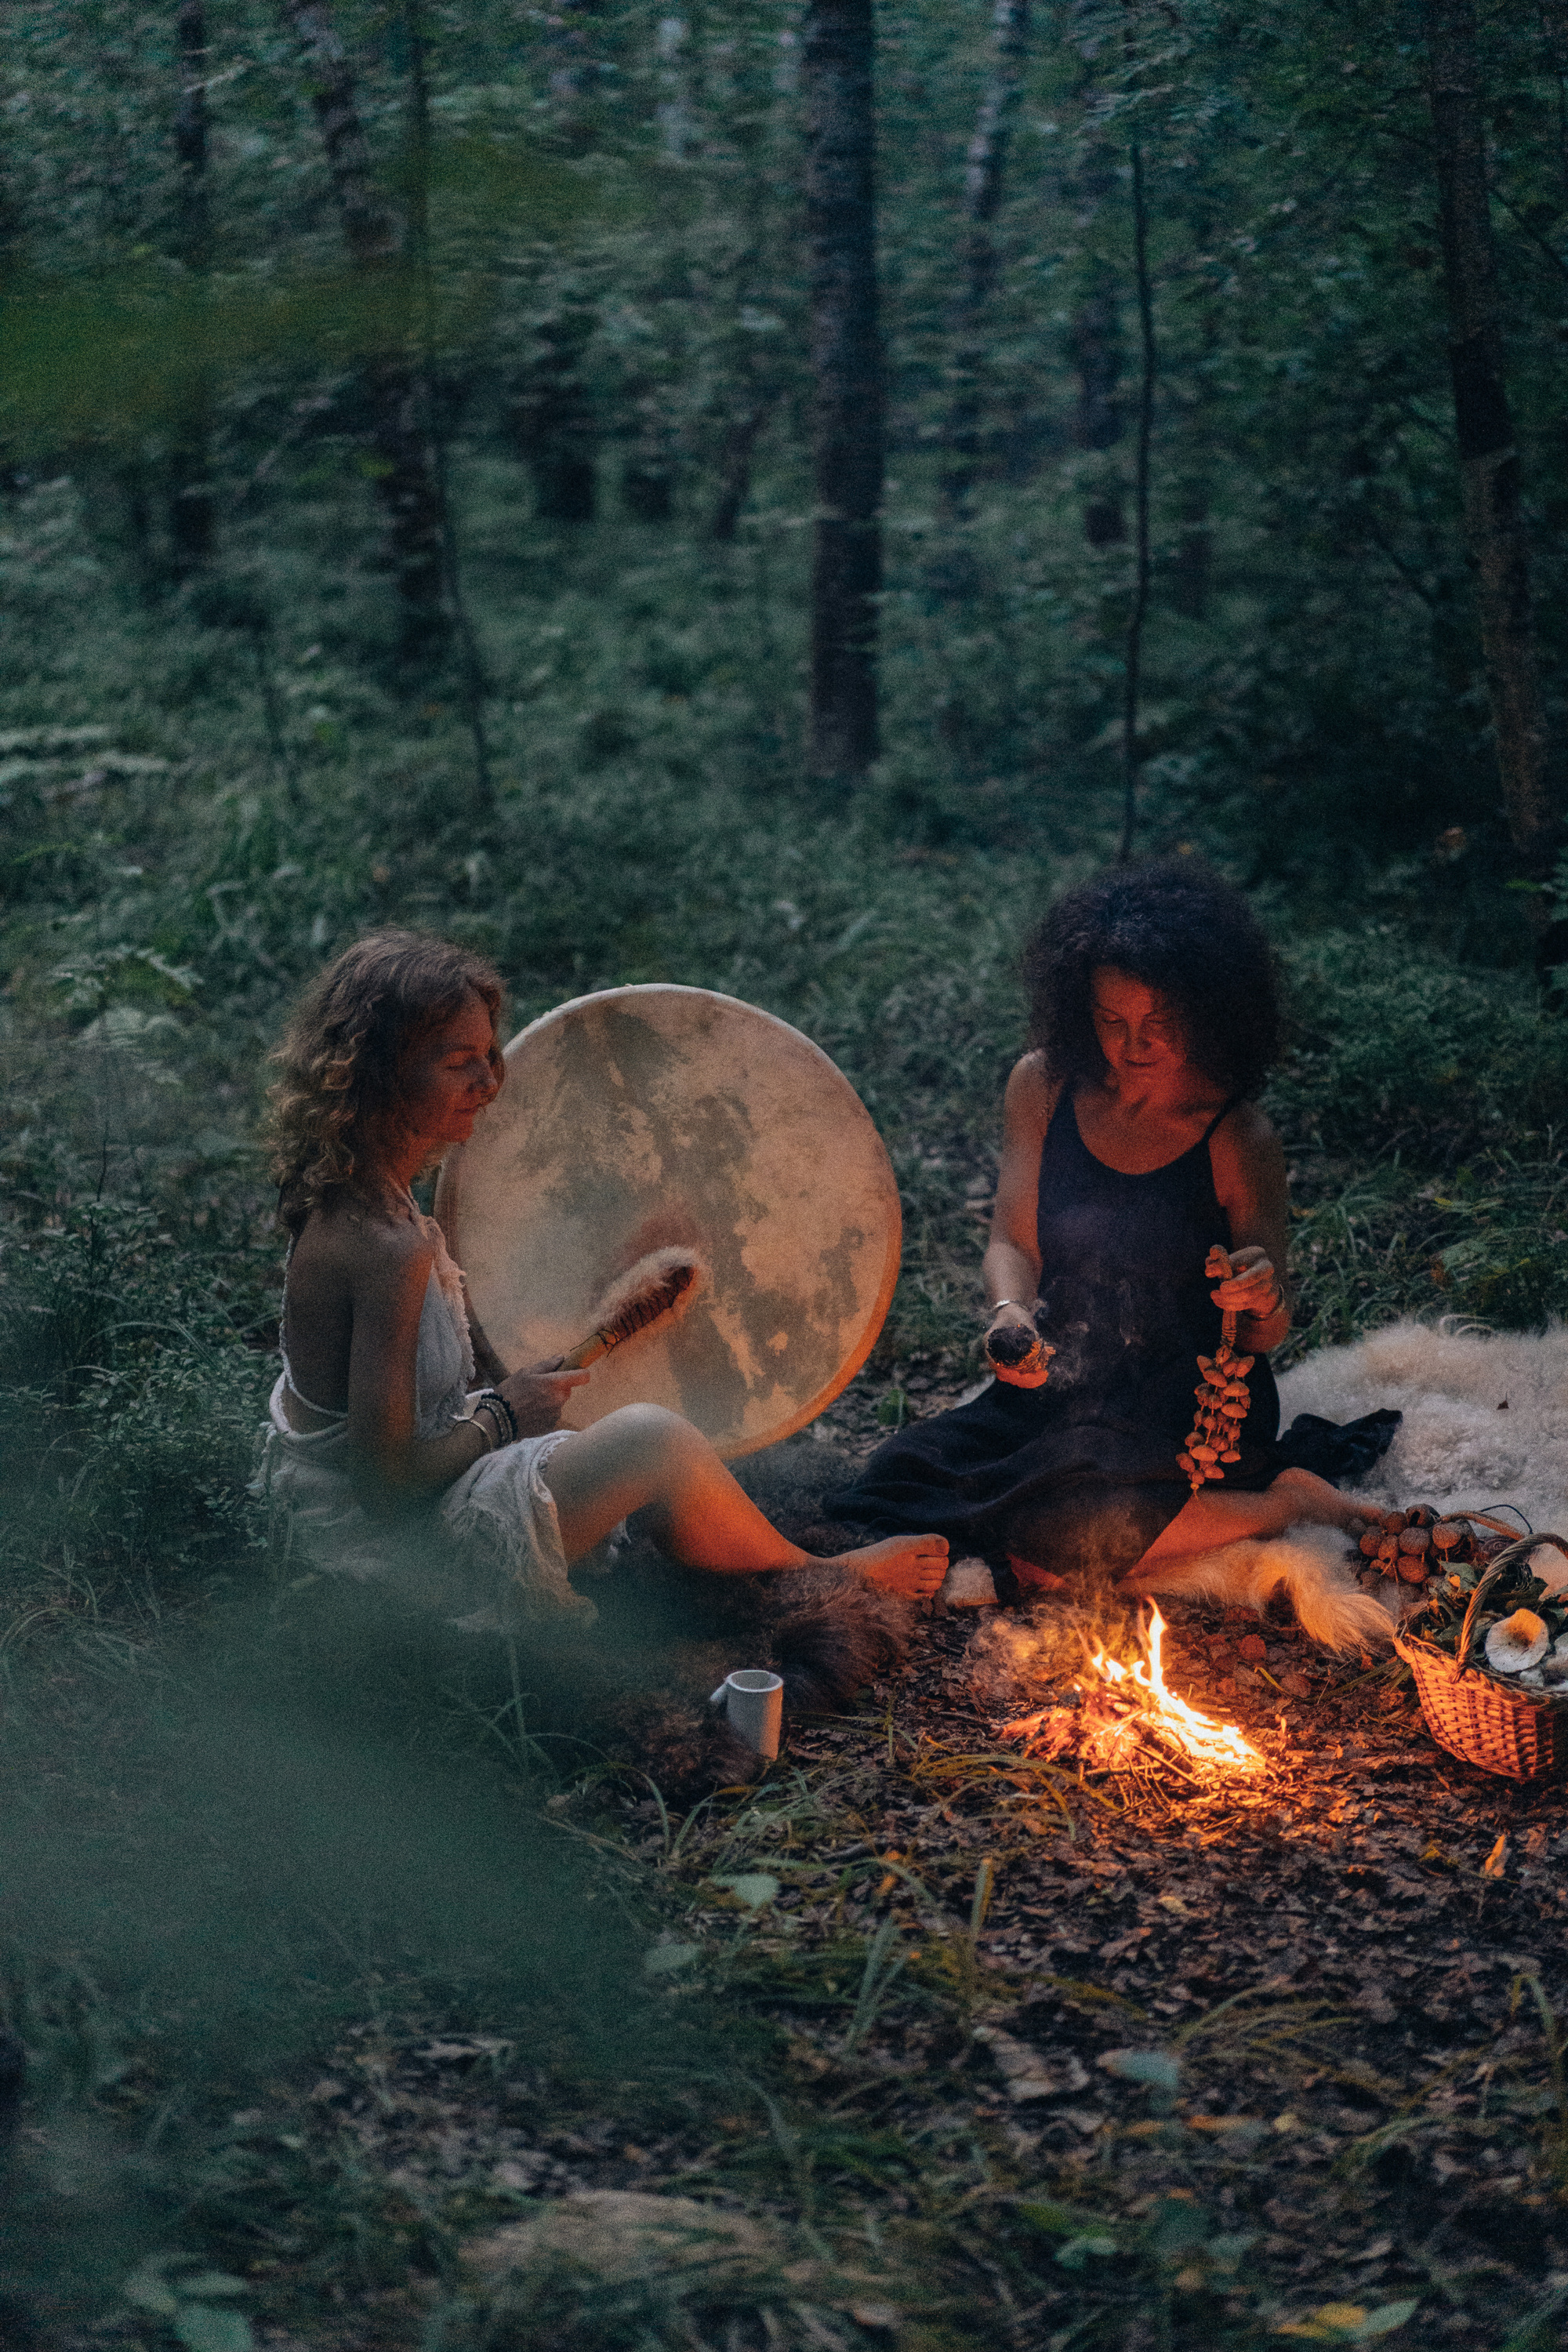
(340, 1994)
(981, 2051)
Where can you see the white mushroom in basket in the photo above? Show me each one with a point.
(1554, 1666)
(1516, 1642)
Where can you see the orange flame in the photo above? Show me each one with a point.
(1146, 1704)
(1198, 1736)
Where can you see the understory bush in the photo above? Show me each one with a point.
(130, 1401)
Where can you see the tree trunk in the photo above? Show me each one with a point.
(1138, 611)
(1488, 458)
(1192, 570)
(981, 195)
(836, 56)
(552, 419)
(408, 474)
(190, 509)
(418, 240)
(1096, 347)
(735, 470)
(552, 416)
(648, 469)
(1094, 337)
(575, 74)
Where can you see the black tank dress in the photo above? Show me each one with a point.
(1082, 1475)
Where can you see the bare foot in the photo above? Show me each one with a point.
(1324, 1504)
(911, 1566)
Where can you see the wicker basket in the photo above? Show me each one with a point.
(1521, 1734)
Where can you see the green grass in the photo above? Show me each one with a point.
(256, 795)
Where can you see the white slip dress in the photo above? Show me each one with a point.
(488, 1553)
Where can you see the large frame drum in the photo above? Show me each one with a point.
(648, 1116)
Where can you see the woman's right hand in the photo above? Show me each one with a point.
(1011, 1315)
(538, 1396)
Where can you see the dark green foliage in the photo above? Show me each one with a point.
(610, 292)
(245, 1816)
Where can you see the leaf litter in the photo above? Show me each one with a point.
(996, 2052)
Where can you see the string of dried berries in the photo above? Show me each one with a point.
(1448, 1566)
(1223, 1399)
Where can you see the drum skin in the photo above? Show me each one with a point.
(647, 1115)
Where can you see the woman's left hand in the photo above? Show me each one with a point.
(1252, 1288)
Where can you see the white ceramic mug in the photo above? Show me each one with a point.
(753, 1701)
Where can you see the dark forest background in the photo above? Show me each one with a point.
(755, 495)
(414, 407)
(763, 498)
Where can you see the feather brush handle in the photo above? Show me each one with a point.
(650, 1290)
(587, 1351)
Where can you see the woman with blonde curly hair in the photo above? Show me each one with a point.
(386, 1064)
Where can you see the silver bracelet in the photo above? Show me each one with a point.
(507, 1431)
(492, 1421)
(1012, 1302)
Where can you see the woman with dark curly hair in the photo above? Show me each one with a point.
(1131, 1146)
(391, 1463)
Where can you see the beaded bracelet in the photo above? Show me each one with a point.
(505, 1419)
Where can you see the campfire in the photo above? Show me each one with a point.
(1114, 1713)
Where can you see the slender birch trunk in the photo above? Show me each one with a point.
(408, 479)
(1489, 457)
(836, 60)
(191, 511)
(985, 167)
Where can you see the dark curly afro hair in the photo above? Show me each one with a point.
(1176, 927)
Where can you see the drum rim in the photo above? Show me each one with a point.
(448, 1187)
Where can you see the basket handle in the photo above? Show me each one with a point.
(1505, 1558)
(1498, 1527)
(1462, 1654)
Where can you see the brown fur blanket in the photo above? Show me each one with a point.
(637, 1683)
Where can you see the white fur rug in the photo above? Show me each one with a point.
(1486, 1422)
(1485, 1415)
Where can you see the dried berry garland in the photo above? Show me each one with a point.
(1223, 1399)
(1479, 1586)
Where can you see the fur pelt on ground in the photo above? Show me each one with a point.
(1306, 1565)
(1486, 1413)
(644, 1700)
(637, 1684)
(1486, 1422)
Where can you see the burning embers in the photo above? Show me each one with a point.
(1115, 1716)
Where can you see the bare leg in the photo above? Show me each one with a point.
(1213, 1518)
(643, 1458)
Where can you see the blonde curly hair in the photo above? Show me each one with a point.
(341, 1055)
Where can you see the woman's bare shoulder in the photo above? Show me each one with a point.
(1247, 1147)
(1031, 1095)
(353, 1242)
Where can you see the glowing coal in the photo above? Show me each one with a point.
(1115, 1712)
